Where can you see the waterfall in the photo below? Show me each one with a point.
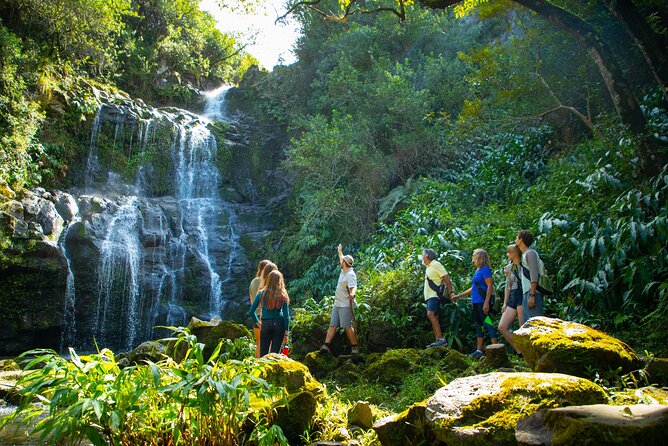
(214, 109)
(92, 162)
(118, 303)
(69, 333)
(159, 259)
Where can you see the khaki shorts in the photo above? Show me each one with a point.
(341, 317)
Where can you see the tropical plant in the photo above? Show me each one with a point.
(200, 400)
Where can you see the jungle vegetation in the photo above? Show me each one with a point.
(432, 124)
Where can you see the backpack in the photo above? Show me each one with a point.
(544, 281)
(440, 291)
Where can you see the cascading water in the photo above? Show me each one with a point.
(160, 251)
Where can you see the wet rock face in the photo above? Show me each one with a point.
(553, 345)
(484, 409)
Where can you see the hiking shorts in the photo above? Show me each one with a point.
(434, 304)
(341, 317)
(515, 299)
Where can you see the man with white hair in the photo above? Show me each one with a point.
(344, 300)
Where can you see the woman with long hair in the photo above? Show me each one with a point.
(512, 298)
(275, 325)
(482, 288)
(252, 291)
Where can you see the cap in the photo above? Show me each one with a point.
(349, 260)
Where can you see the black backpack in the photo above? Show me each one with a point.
(440, 291)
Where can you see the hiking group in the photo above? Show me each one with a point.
(523, 298)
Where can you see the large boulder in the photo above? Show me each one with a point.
(393, 366)
(595, 424)
(295, 417)
(408, 427)
(553, 345)
(484, 409)
(209, 333)
(294, 376)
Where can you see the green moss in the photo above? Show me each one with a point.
(292, 375)
(504, 398)
(553, 345)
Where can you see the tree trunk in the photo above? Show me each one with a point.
(622, 97)
(643, 35)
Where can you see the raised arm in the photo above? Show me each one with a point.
(340, 252)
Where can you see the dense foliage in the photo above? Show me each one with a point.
(454, 133)
(55, 55)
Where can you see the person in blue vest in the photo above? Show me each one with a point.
(481, 291)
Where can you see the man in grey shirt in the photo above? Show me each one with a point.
(532, 266)
(342, 310)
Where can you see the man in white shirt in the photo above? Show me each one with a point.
(344, 300)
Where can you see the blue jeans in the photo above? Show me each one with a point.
(271, 334)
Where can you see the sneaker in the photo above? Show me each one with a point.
(354, 350)
(437, 343)
(477, 354)
(324, 349)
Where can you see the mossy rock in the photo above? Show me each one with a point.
(484, 409)
(596, 424)
(295, 418)
(393, 366)
(347, 373)
(657, 371)
(408, 427)
(8, 365)
(153, 351)
(643, 395)
(361, 414)
(320, 364)
(294, 376)
(209, 333)
(553, 345)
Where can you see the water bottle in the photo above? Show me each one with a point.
(286, 350)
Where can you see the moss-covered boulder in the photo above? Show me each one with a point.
(282, 371)
(152, 351)
(362, 415)
(553, 345)
(320, 364)
(393, 366)
(484, 409)
(209, 333)
(408, 427)
(657, 371)
(296, 417)
(643, 395)
(596, 424)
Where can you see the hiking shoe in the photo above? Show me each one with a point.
(324, 349)
(437, 343)
(477, 354)
(355, 350)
